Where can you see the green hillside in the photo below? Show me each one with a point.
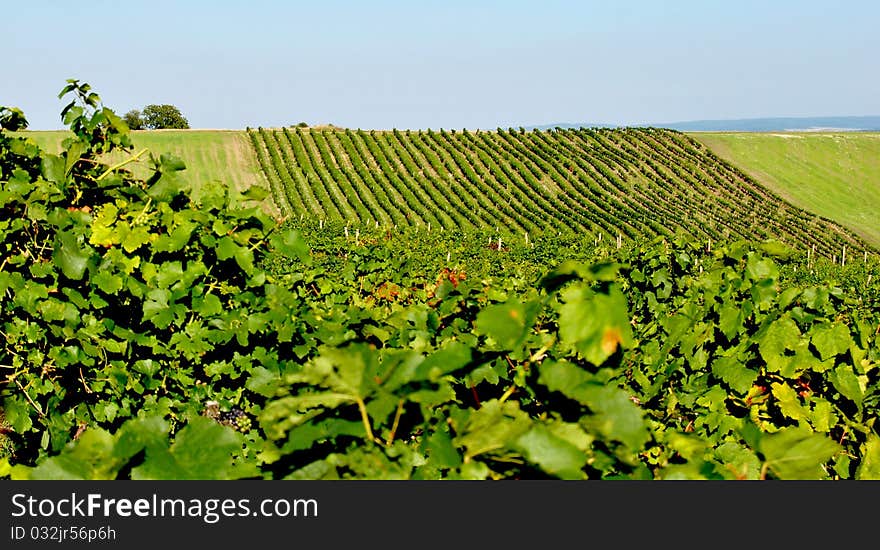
(210, 155)
(836, 175)
(611, 184)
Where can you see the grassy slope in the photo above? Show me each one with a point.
(224, 155)
(836, 175)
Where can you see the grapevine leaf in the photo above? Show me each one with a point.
(263, 382)
(870, 465)
(848, 383)
(108, 282)
(730, 320)
(291, 243)
(788, 401)
(70, 256)
(596, 325)
(506, 324)
(553, 454)
(492, 427)
(614, 415)
(758, 268)
(736, 375)
(89, 457)
(450, 358)
(831, 340)
(783, 334)
(797, 453)
(203, 449)
(441, 452)
(739, 460)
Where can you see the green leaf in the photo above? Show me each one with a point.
(133, 238)
(614, 414)
(552, 454)
(739, 460)
(89, 457)
(788, 402)
(70, 256)
(141, 433)
(165, 186)
(107, 282)
(797, 453)
(822, 417)
(203, 449)
(263, 381)
(759, 269)
(226, 248)
(571, 270)
(735, 374)
(441, 452)
(171, 163)
(74, 153)
(450, 358)
(831, 340)
(730, 320)
(104, 232)
(493, 427)
(508, 324)
(255, 193)
(870, 464)
(176, 239)
(776, 249)
(291, 244)
(848, 384)
(52, 168)
(595, 325)
(305, 435)
(783, 334)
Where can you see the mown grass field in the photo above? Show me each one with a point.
(836, 175)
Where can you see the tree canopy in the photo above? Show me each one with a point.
(156, 117)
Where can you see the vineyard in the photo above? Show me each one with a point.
(619, 185)
(588, 313)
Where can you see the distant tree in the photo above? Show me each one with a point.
(157, 117)
(302, 125)
(134, 119)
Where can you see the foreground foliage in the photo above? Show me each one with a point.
(150, 336)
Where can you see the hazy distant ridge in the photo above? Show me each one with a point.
(849, 123)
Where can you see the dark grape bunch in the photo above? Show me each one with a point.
(236, 419)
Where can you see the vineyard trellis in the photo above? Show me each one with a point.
(616, 184)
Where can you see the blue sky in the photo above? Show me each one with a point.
(446, 64)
